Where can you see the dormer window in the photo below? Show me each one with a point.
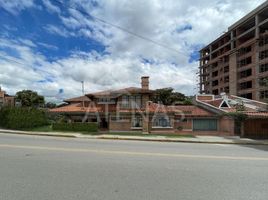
(106, 100)
(131, 101)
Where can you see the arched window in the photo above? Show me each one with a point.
(161, 121)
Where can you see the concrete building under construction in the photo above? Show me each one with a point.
(237, 62)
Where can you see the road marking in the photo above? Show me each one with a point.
(221, 145)
(100, 151)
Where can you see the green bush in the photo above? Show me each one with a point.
(22, 118)
(77, 126)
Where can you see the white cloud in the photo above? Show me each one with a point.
(48, 46)
(58, 30)
(15, 6)
(123, 66)
(50, 7)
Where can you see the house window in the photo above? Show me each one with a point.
(133, 101)
(226, 69)
(263, 54)
(125, 101)
(215, 83)
(244, 62)
(263, 68)
(161, 121)
(226, 79)
(263, 81)
(137, 121)
(264, 94)
(245, 73)
(106, 100)
(245, 85)
(214, 74)
(244, 50)
(263, 41)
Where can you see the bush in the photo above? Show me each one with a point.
(22, 118)
(77, 126)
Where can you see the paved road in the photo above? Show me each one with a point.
(46, 168)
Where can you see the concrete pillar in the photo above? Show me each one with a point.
(257, 30)
(233, 74)
(257, 36)
(232, 40)
(210, 50)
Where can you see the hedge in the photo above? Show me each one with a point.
(22, 118)
(77, 126)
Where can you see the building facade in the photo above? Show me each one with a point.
(237, 62)
(131, 109)
(5, 99)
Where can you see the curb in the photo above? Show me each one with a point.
(37, 134)
(174, 141)
(131, 139)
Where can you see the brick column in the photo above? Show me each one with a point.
(233, 74)
(146, 120)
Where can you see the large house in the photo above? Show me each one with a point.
(131, 109)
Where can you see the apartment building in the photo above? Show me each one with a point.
(5, 99)
(237, 62)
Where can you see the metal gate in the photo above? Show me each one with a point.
(205, 124)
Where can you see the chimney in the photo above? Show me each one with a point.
(145, 82)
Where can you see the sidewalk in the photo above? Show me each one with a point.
(196, 139)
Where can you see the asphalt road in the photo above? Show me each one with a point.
(48, 168)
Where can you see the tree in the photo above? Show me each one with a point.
(239, 118)
(29, 98)
(167, 96)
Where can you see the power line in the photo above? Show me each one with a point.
(121, 28)
(20, 63)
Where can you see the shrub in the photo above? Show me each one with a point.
(22, 118)
(77, 126)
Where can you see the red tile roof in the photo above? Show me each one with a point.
(75, 108)
(257, 114)
(78, 99)
(120, 91)
(189, 110)
(193, 110)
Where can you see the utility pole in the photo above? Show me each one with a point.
(83, 89)
(83, 92)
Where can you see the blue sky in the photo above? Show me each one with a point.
(30, 24)
(49, 47)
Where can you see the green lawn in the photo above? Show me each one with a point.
(148, 135)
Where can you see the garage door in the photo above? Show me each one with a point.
(205, 124)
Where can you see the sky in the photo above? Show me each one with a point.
(50, 46)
